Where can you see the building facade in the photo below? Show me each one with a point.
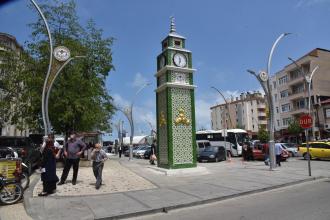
(247, 112)
(290, 93)
(8, 42)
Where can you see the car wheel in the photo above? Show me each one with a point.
(216, 159)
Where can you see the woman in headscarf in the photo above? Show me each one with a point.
(48, 165)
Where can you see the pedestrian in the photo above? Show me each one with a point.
(153, 153)
(244, 151)
(99, 157)
(72, 151)
(278, 153)
(249, 151)
(120, 150)
(48, 169)
(265, 151)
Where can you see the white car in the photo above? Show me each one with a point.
(291, 148)
(141, 151)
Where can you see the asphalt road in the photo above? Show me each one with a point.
(307, 201)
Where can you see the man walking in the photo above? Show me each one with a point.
(278, 153)
(73, 149)
(99, 157)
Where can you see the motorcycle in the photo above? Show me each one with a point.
(24, 176)
(10, 191)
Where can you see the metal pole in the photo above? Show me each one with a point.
(132, 132)
(51, 86)
(227, 104)
(271, 106)
(309, 81)
(49, 67)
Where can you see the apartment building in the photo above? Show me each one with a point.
(290, 93)
(9, 42)
(248, 111)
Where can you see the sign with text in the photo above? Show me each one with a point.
(305, 121)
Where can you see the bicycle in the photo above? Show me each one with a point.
(10, 191)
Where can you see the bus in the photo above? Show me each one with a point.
(234, 136)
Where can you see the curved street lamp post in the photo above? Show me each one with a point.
(308, 78)
(128, 112)
(264, 80)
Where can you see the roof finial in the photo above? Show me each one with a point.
(173, 29)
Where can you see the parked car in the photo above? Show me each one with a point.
(291, 148)
(147, 153)
(28, 151)
(126, 150)
(141, 151)
(317, 150)
(259, 155)
(201, 145)
(212, 153)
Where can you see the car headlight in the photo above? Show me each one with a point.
(211, 156)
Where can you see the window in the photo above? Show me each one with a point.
(283, 80)
(277, 110)
(275, 97)
(295, 74)
(286, 108)
(177, 43)
(284, 94)
(286, 121)
(298, 88)
(300, 104)
(278, 122)
(274, 84)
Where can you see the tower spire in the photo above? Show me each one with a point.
(173, 28)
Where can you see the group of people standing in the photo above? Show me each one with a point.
(72, 151)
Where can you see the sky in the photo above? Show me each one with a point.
(226, 37)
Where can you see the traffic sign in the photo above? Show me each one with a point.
(305, 121)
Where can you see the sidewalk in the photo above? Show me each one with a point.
(142, 190)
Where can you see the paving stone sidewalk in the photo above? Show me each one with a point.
(116, 178)
(166, 192)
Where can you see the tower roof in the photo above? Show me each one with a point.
(173, 32)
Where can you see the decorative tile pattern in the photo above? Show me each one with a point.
(180, 77)
(162, 142)
(182, 134)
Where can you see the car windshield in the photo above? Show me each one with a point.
(286, 145)
(209, 149)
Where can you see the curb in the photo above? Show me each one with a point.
(207, 201)
(29, 193)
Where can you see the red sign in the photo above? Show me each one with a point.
(305, 121)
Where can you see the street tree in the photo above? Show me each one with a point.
(79, 99)
(263, 136)
(294, 128)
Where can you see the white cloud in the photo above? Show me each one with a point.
(203, 113)
(139, 80)
(309, 3)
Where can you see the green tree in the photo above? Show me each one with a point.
(79, 99)
(263, 135)
(294, 128)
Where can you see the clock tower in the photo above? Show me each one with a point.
(176, 133)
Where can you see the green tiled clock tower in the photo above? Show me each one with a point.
(176, 134)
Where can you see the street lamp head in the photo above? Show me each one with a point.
(251, 71)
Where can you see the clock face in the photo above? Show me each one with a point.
(180, 60)
(263, 76)
(162, 61)
(181, 78)
(61, 53)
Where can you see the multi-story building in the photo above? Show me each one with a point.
(247, 112)
(290, 92)
(8, 42)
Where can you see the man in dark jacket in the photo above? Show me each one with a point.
(73, 150)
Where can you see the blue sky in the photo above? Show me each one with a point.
(226, 37)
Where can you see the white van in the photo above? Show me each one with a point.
(231, 148)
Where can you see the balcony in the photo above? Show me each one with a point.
(262, 114)
(296, 80)
(297, 111)
(297, 95)
(262, 122)
(261, 106)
